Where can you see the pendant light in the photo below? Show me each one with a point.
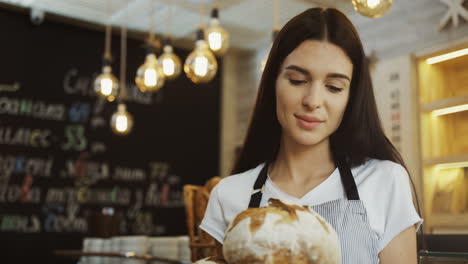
(121, 120)
(372, 8)
(217, 36)
(106, 84)
(201, 66)
(150, 76)
(169, 61)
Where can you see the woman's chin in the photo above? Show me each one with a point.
(307, 140)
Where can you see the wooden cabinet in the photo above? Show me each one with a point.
(443, 87)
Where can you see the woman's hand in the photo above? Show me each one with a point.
(402, 249)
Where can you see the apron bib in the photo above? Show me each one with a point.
(359, 243)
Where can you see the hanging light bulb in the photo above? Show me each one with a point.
(122, 121)
(150, 76)
(106, 84)
(169, 62)
(217, 37)
(372, 8)
(200, 65)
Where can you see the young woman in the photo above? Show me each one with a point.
(315, 138)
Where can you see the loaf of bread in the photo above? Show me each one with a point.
(282, 233)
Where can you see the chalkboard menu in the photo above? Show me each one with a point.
(60, 163)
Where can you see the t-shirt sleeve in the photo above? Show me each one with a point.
(400, 210)
(214, 222)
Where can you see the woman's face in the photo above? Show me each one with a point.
(312, 90)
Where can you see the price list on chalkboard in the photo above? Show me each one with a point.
(55, 155)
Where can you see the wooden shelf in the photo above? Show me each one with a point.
(449, 220)
(448, 159)
(444, 143)
(444, 103)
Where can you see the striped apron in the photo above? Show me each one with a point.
(359, 243)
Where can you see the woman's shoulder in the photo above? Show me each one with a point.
(379, 164)
(381, 171)
(233, 192)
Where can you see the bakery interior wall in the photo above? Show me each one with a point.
(53, 127)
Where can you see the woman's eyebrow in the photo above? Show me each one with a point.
(298, 69)
(307, 73)
(338, 75)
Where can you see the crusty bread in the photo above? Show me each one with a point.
(282, 233)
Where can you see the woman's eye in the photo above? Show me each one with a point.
(334, 89)
(296, 82)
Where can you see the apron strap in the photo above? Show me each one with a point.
(257, 194)
(346, 178)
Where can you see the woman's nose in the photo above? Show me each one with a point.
(313, 96)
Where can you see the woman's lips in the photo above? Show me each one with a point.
(307, 122)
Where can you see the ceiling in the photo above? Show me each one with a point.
(409, 26)
(249, 22)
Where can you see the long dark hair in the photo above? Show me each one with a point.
(360, 135)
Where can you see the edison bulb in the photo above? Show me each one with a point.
(106, 85)
(201, 66)
(121, 121)
(217, 37)
(150, 77)
(372, 8)
(170, 63)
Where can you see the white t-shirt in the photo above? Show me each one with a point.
(383, 187)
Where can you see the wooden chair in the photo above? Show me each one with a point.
(196, 199)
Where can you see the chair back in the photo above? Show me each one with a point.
(196, 200)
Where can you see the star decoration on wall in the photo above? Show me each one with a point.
(455, 9)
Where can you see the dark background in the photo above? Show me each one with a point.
(178, 127)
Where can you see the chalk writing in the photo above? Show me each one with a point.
(79, 112)
(98, 121)
(95, 171)
(13, 193)
(98, 147)
(75, 138)
(135, 208)
(26, 165)
(10, 87)
(159, 170)
(143, 223)
(128, 174)
(116, 195)
(55, 221)
(76, 84)
(38, 138)
(31, 108)
(20, 223)
(152, 195)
